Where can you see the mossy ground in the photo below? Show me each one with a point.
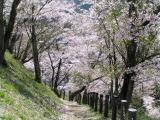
(21, 98)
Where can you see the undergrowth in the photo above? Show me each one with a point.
(21, 97)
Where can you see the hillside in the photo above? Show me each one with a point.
(79, 59)
(21, 98)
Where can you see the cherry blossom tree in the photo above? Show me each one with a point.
(130, 28)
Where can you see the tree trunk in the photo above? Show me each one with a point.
(130, 90)
(18, 51)
(131, 48)
(35, 50)
(57, 78)
(5, 37)
(131, 53)
(115, 70)
(128, 85)
(10, 25)
(26, 52)
(52, 80)
(1, 33)
(13, 41)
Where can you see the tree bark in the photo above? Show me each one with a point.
(10, 25)
(5, 36)
(128, 85)
(131, 53)
(13, 41)
(57, 78)
(115, 70)
(53, 70)
(26, 52)
(35, 50)
(1, 32)
(131, 48)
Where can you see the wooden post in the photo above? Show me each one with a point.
(90, 99)
(106, 106)
(60, 93)
(75, 98)
(87, 98)
(101, 104)
(123, 109)
(132, 114)
(95, 99)
(93, 94)
(79, 98)
(84, 99)
(96, 102)
(69, 95)
(64, 93)
(114, 107)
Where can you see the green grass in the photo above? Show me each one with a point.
(21, 98)
(142, 115)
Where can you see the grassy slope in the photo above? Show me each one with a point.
(21, 98)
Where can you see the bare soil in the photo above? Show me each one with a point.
(73, 111)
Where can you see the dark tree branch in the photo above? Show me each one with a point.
(77, 92)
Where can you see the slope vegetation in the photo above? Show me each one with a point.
(21, 98)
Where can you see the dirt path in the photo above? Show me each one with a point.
(73, 111)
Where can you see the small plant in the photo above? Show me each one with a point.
(136, 102)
